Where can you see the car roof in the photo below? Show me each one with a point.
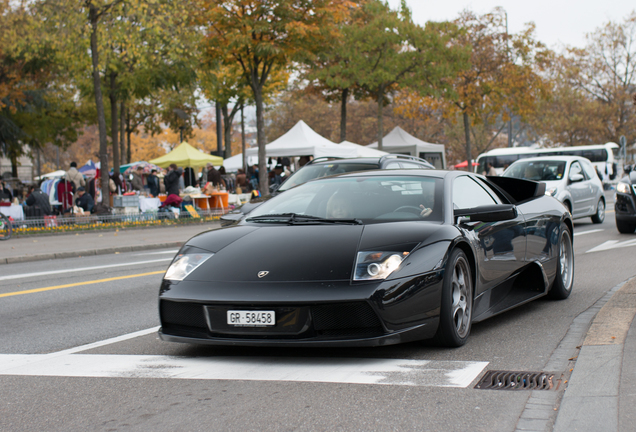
(370, 160)
(403, 172)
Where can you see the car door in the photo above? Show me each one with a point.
(579, 190)
(594, 182)
(500, 246)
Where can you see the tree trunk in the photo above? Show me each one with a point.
(128, 133)
(380, 127)
(469, 158)
(99, 105)
(343, 115)
(227, 131)
(122, 133)
(263, 179)
(114, 121)
(243, 139)
(14, 165)
(219, 131)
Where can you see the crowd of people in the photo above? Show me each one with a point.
(73, 192)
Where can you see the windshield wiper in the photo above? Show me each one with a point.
(307, 219)
(299, 219)
(275, 217)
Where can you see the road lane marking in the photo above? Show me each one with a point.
(36, 290)
(173, 251)
(52, 272)
(612, 244)
(587, 232)
(429, 373)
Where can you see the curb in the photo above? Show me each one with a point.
(89, 252)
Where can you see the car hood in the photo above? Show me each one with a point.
(300, 253)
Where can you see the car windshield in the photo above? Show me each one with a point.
(311, 172)
(366, 199)
(544, 170)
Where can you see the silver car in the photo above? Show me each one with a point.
(570, 179)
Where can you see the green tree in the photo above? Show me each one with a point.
(264, 37)
(607, 72)
(389, 50)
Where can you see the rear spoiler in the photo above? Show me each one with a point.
(519, 189)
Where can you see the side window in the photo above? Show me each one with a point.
(575, 168)
(467, 193)
(589, 169)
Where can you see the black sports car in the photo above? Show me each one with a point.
(371, 258)
(625, 206)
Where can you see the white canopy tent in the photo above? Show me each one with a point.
(235, 162)
(401, 142)
(363, 151)
(301, 140)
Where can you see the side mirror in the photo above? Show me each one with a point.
(230, 218)
(576, 178)
(488, 213)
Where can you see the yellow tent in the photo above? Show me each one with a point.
(184, 155)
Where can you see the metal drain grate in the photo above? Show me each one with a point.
(508, 380)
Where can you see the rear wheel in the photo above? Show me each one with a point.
(456, 311)
(562, 286)
(625, 227)
(599, 217)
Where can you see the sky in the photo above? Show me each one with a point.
(558, 22)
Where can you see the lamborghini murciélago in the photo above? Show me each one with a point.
(371, 258)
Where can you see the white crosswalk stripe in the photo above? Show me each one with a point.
(327, 370)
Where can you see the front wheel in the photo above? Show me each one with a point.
(562, 286)
(625, 227)
(5, 227)
(457, 302)
(599, 216)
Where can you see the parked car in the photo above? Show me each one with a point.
(368, 259)
(570, 179)
(625, 206)
(327, 166)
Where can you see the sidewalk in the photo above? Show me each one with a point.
(601, 393)
(36, 248)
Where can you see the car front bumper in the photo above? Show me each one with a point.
(307, 314)
(625, 207)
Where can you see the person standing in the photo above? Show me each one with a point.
(137, 181)
(74, 176)
(38, 202)
(214, 176)
(84, 200)
(171, 180)
(153, 183)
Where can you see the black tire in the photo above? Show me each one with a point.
(625, 227)
(564, 280)
(599, 216)
(5, 228)
(456, 311)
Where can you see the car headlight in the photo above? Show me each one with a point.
(622, 188)
(377, 265)
(184, 264)
(551, 191)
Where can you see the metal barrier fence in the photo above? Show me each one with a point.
(51, 224)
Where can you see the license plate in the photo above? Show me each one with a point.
(253, 318)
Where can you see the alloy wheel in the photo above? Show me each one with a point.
(461, 298)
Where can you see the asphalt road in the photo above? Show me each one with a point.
(50, 309)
